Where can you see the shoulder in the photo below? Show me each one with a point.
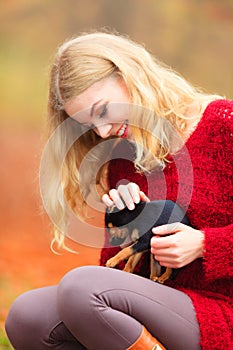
(220, 109)
(219, 115)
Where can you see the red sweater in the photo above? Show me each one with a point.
(203, 184)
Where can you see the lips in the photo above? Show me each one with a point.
(123, 130)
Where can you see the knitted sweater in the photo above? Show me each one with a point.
(203, 185)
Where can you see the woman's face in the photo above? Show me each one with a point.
(104, 106)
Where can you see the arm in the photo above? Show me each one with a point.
(213, 245)
(186, 244)
(218, 243)
(218, 255)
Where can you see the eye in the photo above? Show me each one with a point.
(104, 111)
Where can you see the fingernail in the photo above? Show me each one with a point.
(155, 230)
(131, 206)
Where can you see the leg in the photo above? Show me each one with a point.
(165, 276)
(132, 262)
(155, 271)
(155, 268)
(34, 324)
(106, 308)
(122, 255)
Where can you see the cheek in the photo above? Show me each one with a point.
(119, 112)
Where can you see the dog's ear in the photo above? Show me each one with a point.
(135, 234)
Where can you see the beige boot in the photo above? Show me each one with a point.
(146, 342)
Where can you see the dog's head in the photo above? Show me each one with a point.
(120, 224)
(117, 235)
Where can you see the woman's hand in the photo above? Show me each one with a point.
(183, 245)
(125, 195)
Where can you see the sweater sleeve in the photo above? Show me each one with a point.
(218, 256)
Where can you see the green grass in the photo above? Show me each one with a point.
(4, 342)
(10, 290)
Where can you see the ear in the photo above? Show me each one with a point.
(110, 225)
(135, 234)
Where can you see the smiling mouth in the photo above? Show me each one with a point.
(123, 130)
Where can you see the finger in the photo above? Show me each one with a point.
(168, 263)
(125, 194)
(164, 260)
(106, 200)
(116, 199)
(168, 229)
(167, 257)
(159, 243)
(144, 197)
(159, 253)
(134, 191)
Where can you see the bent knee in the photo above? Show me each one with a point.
(19, 321)
(31, 317)
(78, 287)
(77, 282)
(80, 279)
(78, 296)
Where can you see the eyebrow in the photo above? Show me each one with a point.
(93, 107)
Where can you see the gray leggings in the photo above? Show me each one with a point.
(103, 309)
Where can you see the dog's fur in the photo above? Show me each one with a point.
(136, 225)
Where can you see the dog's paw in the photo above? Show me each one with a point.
(110, 263)
(128, 268)
(159, 280)
(156, 279)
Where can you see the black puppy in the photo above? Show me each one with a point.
(136, 225)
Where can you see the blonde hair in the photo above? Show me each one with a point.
(81, 62)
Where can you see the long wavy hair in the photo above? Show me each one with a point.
(153, 87)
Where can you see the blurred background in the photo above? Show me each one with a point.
(192, 36)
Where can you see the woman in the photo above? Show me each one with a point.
(180, 145)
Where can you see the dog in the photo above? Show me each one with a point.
(136, 226)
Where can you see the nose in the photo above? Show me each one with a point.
(103, 131)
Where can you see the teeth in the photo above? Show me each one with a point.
(122, 130)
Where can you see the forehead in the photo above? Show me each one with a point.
(102, 89)
(83, 102)
(111, 89)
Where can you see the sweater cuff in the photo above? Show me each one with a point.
(217, 253)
